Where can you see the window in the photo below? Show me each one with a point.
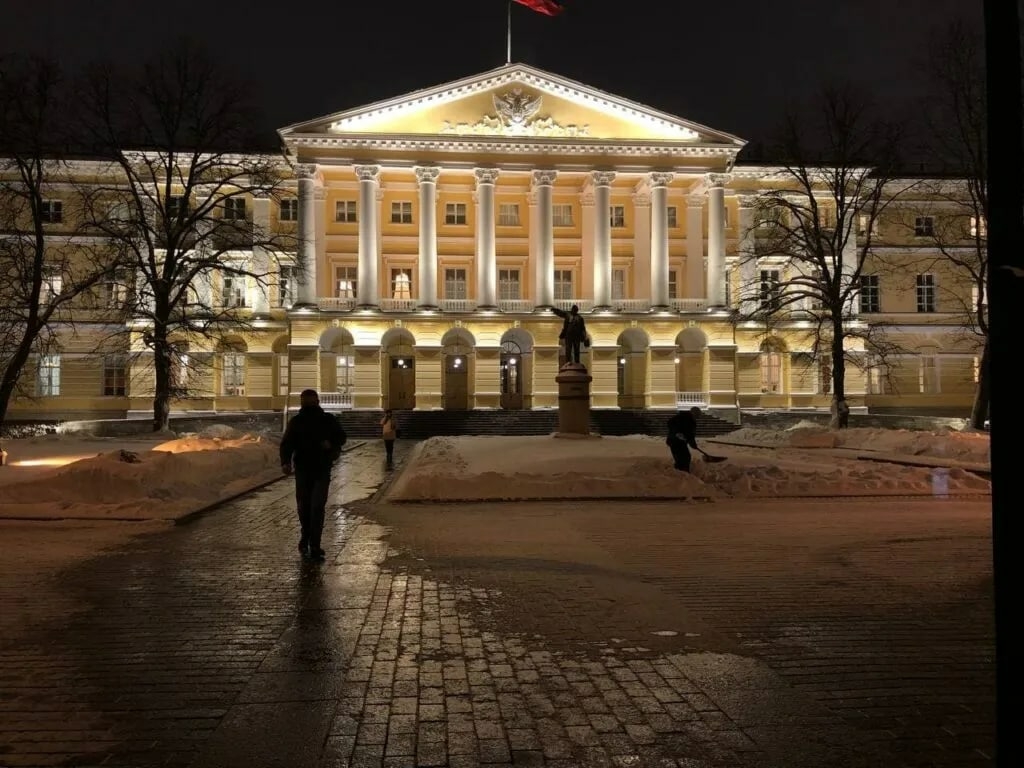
(673, 284)
(728, 287)
(875, 378)
(769, 217)
(114, 375)
(234, 209)
(52, 285)
(401, 283)
(344, 371)
(826, 217)
(862, 225)
(508, 285)
(814, 302)
(928, 375)
(926, 293)
(48, 376)
(401, 212)
(290, 209)
(114, 294)
(345, 211)
(455, 284)
(345, 282)
(771, 370)
(233, 293)
(618, 216)
(287, 285)
(282, 374)
(177, 206)
(672, 216)
(976, 230)
(870, 301)
(771, 291)
(508, 215)
(181, 369)
(618, 284)
(455, 214)
(563, 285)
(561, 215)
(824, 377)
(233, 374)
(924, 226)
(52, 211)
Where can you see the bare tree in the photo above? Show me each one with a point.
(181, 216)
(837, 170)
(48, 257)
(956, 128)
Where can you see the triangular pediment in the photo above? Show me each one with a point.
(514, 101)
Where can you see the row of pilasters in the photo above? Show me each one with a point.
(654, 219)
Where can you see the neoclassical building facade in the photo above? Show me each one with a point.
(437, 229)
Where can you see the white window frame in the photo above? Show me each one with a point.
(561, 215)
(455, 214)
(52, 212)
(672, 216)
(283, 373)
(617, 216)
(401, 212)
(48, 375)
(346, 212)
(870, 289)
(564, 284)
(508, 215)
(401, 283)
(232, 374)
(924, 226)
(53, 284)
(233, 291)
(510, 284)
(287, 285)
(770, 289)
(115, 371)
(234, 209)
(926, 294)
(673, 284)
(618, 284)
(974, 230)
(288, 209)
(770, 362)
(346, 282)
(456, 283)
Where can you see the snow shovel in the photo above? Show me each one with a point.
(712, 459)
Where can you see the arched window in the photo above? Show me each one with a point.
(511, 368)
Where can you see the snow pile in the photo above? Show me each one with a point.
(504, 468)
(945, 444)
(171, 480)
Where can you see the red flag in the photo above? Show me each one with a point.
(547, 7)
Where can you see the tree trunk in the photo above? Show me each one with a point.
(13, 369)
(162, 360)
(982, 394)
(840, 410)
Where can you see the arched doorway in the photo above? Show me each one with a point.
(457, 348)
(337, 365)
(516, 346)
(399, 369)
(631, 365)
(691, 344)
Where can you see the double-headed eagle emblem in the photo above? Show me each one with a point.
(517, 108)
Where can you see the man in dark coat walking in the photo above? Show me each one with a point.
(310, 446)
(574, 332)
(682, 435)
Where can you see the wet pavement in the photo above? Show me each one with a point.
(545, 635)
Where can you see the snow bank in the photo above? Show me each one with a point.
(505, 468)
(961, 446)
(173, 479)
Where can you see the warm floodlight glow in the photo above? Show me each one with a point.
(49, 461)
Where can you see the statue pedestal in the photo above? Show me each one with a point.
(573, 401)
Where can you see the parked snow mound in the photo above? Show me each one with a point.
(946, 444)
(502, 468)
(173, 479)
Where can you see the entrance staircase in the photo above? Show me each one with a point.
(419, 425)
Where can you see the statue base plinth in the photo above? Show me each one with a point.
(573, 401)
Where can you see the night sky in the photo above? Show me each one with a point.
(730, 65)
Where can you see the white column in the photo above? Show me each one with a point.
(602, 181)
(366, 275)
(486, 257)
(716, 238)
(659, 239)
(695, 286)
(260, 256)
(542, 182)
(749, 278)
(305, 290)
(427, 178)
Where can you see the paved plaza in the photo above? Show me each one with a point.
(780, 633)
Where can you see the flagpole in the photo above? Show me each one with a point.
(508, 41)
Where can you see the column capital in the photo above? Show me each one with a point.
(747, 201)
(695, 201)
(714, 180)
(486, 175)
(602, 178)
(544, 178)
(660, 179)
(367, 172)
(427, 174)
(306, 171)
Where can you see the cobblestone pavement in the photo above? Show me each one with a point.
(692, 636)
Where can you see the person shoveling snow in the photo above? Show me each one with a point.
(682, 435)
